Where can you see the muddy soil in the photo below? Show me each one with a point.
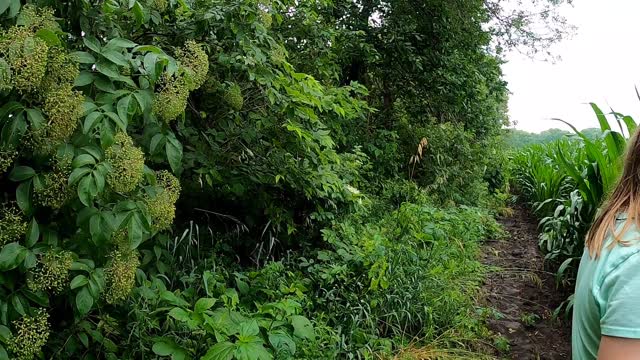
(523, 295)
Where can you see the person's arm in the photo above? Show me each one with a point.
(615, 348)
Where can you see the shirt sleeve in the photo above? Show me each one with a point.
(621, 289)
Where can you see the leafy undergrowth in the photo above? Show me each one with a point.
(385, 279)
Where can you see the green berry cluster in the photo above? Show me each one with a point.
(7, 155)
(26, 56)
(127, 164)
(30, 335)
(162, 206)
(121, 275)
(55, 190)
(159, 5)
(171, 100)
(52, 272)
(63, 107)
(61, 69)
(195, 62)
(24, 52)
(233, 97)
(12, 224)
(171, 97)
(5, 76)
(36, 18)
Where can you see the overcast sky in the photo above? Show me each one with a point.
(600, 64)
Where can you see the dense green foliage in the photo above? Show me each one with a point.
(245, 179)
(566, 181)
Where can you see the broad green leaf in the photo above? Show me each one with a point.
(204, 304)
(163, 348)
(21, 173)
(120, 43)
(33, 233)
(78, 174)
(174, 153)
(91, 120)
(92, 43)
(115, 57)
(84, 190)
(11, 256)
(23, 196)
(83, 57)
(78, 281)
(282, 342)
(35, 118)
(84, 301)
(108, 69)
(83, 160)
(123, 107)
(85, 78)
(220, 351)
(302, 327)
(4, 5)
(253, 349)
(180, 314)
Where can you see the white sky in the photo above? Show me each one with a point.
(600, 64)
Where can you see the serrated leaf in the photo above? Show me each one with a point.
(302, 327)
(204, 304)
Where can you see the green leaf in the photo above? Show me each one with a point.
(11, 256)
(249, 328)
(78, 281)
(163, 348)
(121, 122)
(173, 148)
(84, 339)
(252, 349)
(35, 118)
(180, 314)
(123, 108)
(85, 78)
(23, 196)
(78, 174)
(3, 352)
(21, 173)
(108, 69)
(16, 301)
(13, 130)
(83, 57)
(84, 190)
(115, 57)
(220, 351)
(92, 43)
(14, 8)
(84, 301)
(5, 333)
(120, 43)
(33, 233)
(91, 120)
(148, 48)
(282, 342)
(302, 327)
(49, 37)
(4, 5)
(204, 304)
(83, 160)
(156, 140)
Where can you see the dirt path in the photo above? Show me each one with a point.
(523, 295)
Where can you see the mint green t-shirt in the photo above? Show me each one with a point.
(607, 297)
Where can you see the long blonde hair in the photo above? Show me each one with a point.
(624, 199)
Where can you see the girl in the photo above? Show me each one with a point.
(606, 314)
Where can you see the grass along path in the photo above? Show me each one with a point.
(523, 295)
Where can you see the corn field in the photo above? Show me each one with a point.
(566, 181)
